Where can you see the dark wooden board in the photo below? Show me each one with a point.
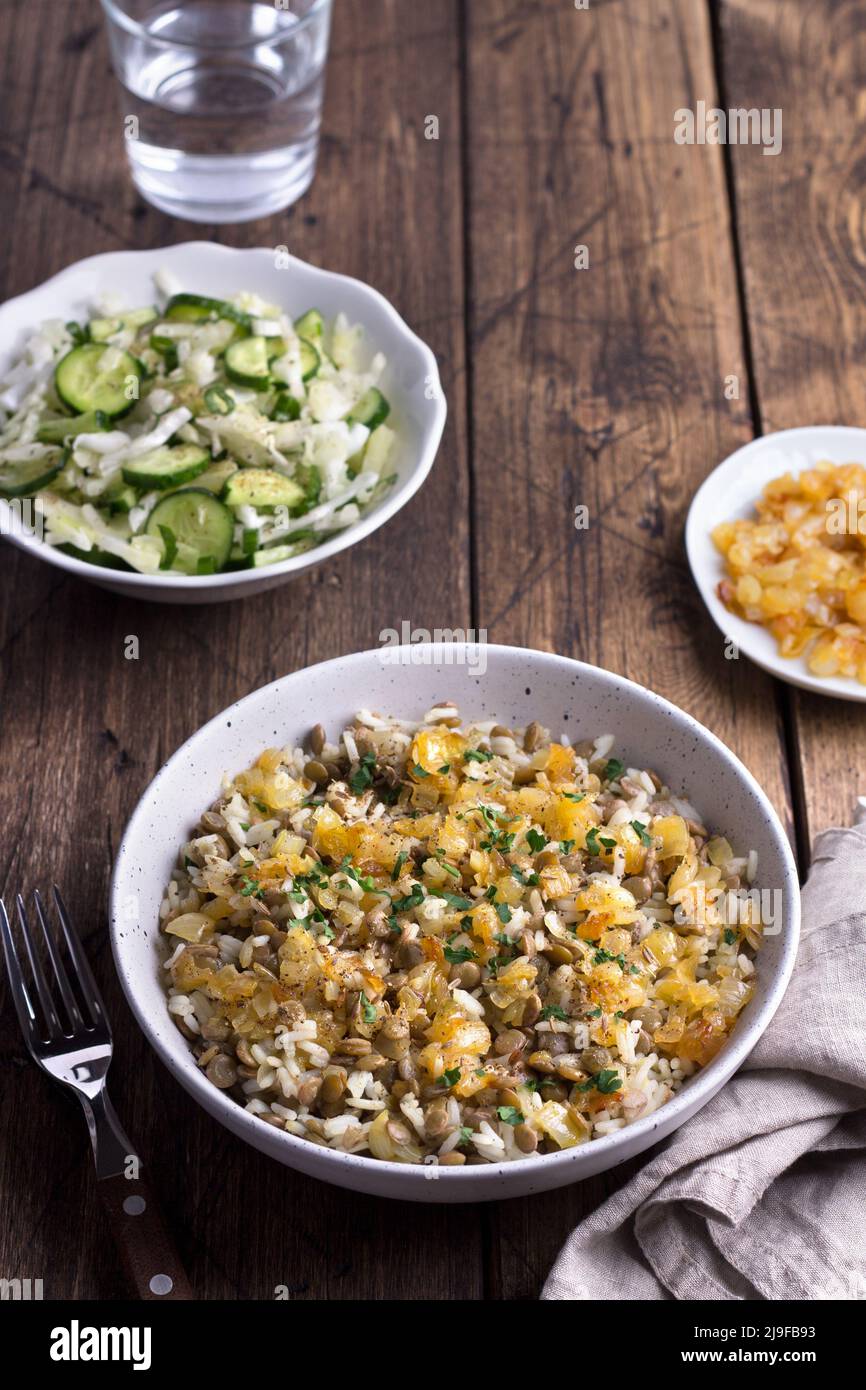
(601, 386)
(801, 230)
(84, 730)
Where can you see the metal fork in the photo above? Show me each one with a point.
(68, 1035)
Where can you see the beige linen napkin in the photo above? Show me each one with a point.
(762, 1194)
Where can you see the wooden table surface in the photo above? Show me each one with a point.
(602, 386)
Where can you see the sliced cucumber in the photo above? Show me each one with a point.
(276, 348)
(286, 408)
(310, 325)
(167, 349)
(121, 497)
(261, 487)
(95, 556)
(247, 363)
(216, 476)
(195, 308)
(378, 448)
(23, 477)
(310, 360)
(370, 410)
(166, 466)
(196, 527)
(67, 426)
(84, 384)
(272, 555)
(103, 329)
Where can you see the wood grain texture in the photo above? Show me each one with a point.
(801, 220)
(601, 386)
(85, 730)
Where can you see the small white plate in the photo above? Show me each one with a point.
(411, 382)
(730, 493)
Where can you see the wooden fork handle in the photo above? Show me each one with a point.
(139, 1230)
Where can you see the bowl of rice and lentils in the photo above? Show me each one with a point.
(504, 939)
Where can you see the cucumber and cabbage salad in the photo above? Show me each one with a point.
(212, 434)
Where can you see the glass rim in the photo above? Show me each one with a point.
(133, 26)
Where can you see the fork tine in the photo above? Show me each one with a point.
(52, 1022)
(20, 997)
(86, 982)
(69, 1001)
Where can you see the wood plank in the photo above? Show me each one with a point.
(85, 730)
(801, 232)
(601, 386)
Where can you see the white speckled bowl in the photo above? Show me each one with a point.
(411, 382)
(518, 686)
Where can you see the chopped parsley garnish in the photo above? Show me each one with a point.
(260, 806)
(445, 769)
(594, 1013)
(251, 888)
(730, 936)
(498, 839)
(450, 1077)
(535, 840)
(413, 899)
(595, 838)
(368, 1010)
(419, 771)
(642, 833)
(608, 1081)
(365, 882)
(457, 955)
(398, 864)
(613, 769)
(476, 755)
(566, 846)
(574, 796)
(465, 1134)
(553, 1011)
(363, 775)
(328, 932)
(528, 880)
(601, 956)
(509, 1114)
(490, 894)
(455, 900)
(503, 912)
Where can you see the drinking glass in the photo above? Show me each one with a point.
(221, 101)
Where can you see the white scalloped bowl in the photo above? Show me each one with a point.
(411, 381)
(517, 686)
